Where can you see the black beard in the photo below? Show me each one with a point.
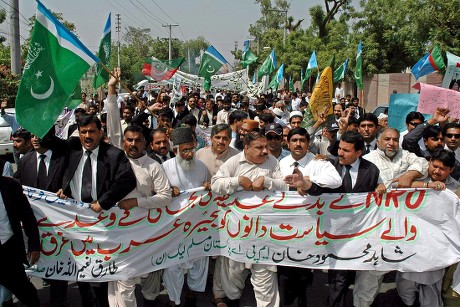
(239, 142)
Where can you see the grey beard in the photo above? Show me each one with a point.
(186, 165)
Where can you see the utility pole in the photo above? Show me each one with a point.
(170, 38)
(15, 44)
(118, 29)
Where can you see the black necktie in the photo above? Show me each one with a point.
(42, 173)
(295, 165)
(368, 149)
(87, 179)
(346, 183)
(164, 158)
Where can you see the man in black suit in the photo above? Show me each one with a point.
(99, 174)
(358, 176)
(160, 146)
(43, 168)
(14, 211)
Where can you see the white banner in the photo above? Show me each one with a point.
(416, 230)
(234, 81)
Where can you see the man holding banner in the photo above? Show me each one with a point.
(252, 170)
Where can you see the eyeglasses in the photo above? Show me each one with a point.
(414, 124)
(187, 151)
(451, 135)
(274, 137)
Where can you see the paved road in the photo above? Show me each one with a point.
(317, 294)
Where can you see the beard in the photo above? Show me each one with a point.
(186, 165)
(239, 142)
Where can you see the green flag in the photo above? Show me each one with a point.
(207, 83)
(359, 67)
(211, 62)
(268, 65)
(291, 85)
(340, 72)
(55, 63)
(273, 84)
(248, 58)
(102, 75)
(75, 99)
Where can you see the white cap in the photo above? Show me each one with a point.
(295, 113)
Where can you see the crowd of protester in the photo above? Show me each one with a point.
(152, 148)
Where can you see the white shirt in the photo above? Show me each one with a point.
(295, 104)
(6, 231)
(353, 172)
(222, 116)
(403, 161)
(321, 172)
(421, 143)
(75, 183)
(47, 159)
(185, 180)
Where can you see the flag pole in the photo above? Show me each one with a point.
(126, 88)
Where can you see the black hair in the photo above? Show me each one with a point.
(355, 138)
(134, 128)
(431, 132)
(267, 117)
(300, 131)
(368, 117)
(23, 134)
(190, 120)
(445, 156)
(453, 125)
(236, 115)
(251, 137)
(221, 127)
(414, 115)
(87, 119)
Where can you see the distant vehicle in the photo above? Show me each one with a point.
(380, 109)
(6, 139)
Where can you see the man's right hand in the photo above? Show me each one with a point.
(245, 183)
(61, 194)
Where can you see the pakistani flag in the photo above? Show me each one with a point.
(312, 63)
(359, 67)
(277, 78)
(55, 63)
(268, 65)
(102, 75)
(161, 70)
(340, 72)
(211, 62)
(248, 56)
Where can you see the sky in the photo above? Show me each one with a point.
(220, 22)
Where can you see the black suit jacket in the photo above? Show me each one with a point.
(27, 170)
(114, 180)
(19, 211)
(367, 180)
(155, 157)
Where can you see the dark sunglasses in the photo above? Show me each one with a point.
(451, 135)
(414, 124)
(274, 137)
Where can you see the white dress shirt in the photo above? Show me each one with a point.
(75, 183)
(47, 159)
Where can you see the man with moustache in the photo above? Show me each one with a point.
(293, 281)
(160, 146)
(222, 115)
(185, 172)
(22, 143)
(398, 168)
(215, 155)
(152, 191)
(367, 127)
(249, 126)
(99, 174)
(427, 286)
(358, 176)
(254, 169)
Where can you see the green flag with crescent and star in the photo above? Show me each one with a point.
(55, 63)
(211, 62)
